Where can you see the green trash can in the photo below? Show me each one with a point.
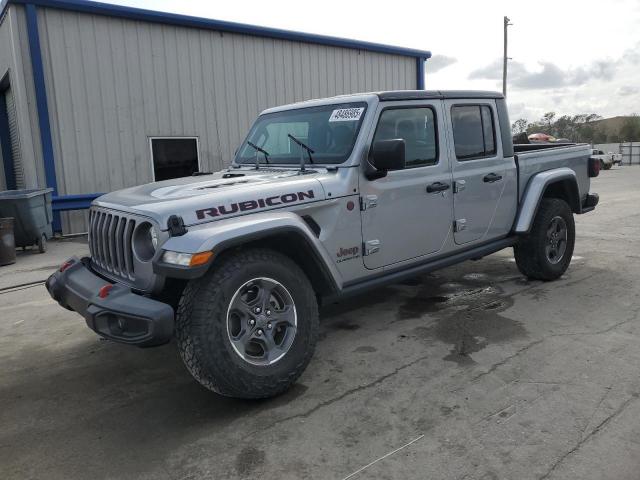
(32, 213)
(7, 242)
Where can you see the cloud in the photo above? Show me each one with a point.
(626, 90)
(549, 76)
(493, 71)
(438, 62)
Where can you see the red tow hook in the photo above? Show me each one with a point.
(66, 265)
(104, 290)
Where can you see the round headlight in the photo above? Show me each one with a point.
(145, 241)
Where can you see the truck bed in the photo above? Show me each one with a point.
(536, 158)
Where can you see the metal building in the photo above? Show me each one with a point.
(97, 97)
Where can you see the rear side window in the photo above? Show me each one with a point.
(416, 126)
(474, 132)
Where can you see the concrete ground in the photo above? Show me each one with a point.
(469, 373)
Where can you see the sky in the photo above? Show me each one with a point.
(567, 56)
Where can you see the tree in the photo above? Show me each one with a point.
(519, 126)
(577, 128)
(548, 120)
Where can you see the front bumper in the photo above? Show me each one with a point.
(122, 315)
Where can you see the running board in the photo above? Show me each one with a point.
(387, 278)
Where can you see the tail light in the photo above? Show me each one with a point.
(594, 167)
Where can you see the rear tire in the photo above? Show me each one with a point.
(545, 253)
(219, 316)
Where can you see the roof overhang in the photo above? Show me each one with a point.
(139, 14)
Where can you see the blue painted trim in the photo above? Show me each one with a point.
(33, 34)
(5, 145)
(218, 25)
(41, 97)
(73, 202)
(420, 72)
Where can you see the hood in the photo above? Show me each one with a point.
(224, 194)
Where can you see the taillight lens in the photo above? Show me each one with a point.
(594, 167)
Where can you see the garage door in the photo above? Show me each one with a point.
(14, 138)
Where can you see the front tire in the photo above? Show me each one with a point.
(545, 253)
(248, 328)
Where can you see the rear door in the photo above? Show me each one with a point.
(485, 183)
(407, 214)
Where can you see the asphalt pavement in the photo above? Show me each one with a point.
(472, 372)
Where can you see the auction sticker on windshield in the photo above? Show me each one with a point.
(346, 114)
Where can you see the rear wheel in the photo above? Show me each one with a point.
(545, 253)
(248, 328)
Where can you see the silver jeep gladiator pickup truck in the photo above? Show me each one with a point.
(325, 198)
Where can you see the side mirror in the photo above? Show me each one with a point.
(388, 155)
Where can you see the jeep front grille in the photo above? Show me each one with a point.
(110, 235)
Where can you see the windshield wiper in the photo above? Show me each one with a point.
(302, 148)
(261, 150)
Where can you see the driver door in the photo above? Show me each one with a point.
(408, 214)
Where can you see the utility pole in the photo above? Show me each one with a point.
(505, 58)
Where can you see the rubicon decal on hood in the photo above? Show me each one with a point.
(248, 205)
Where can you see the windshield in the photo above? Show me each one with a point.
(329, 130)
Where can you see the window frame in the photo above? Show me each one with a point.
(172, 137)
(407, 107)
(484, 145)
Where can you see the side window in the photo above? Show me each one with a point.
(416, 126)
(474, 132)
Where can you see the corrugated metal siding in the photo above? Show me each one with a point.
(112, 83)
(14, 59)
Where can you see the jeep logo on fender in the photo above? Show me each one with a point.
(253, 204)
(344, 254)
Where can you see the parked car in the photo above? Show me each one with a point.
(607, 160)
(324, 199)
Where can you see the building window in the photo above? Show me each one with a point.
(474, 131)
(174, 157)
(416, 126)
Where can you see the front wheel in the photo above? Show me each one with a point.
(248, 328)
(545, 253)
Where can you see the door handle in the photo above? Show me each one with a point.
(437, 187)
(492, 177)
